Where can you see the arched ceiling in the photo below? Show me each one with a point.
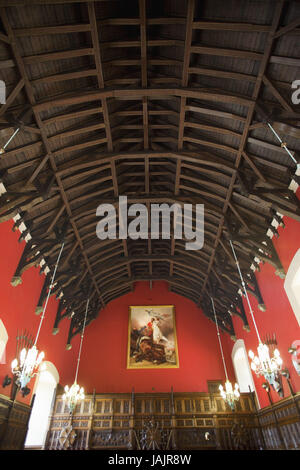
(163, 101)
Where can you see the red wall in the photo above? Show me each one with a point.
(17, 312)
(103, 365)
(279, 317)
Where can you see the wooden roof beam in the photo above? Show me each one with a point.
(29, 91)
(225, 26)
(263, 65)
(97, 55)
(49, 30)
(136, 94)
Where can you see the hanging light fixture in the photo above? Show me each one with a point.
(26, 366)
(263, 363)
(230, 394)
(75, 393)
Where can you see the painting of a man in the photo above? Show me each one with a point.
(152, 337)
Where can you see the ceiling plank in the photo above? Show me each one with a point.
(251, 109)
(29, 90)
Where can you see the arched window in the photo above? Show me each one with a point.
(292, 285)
(241, 366)
(44, 390)
(3, 341)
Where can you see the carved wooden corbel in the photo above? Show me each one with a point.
(16, 279)
(12, 203)
(237, 308)
(255, 290)
(59, 315)
(43, 295)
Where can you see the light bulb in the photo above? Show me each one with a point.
(30, 360)
(22, 356)
(251, 354)
(14, 364)
(40, 357)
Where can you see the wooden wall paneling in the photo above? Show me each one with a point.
(111, 421)
(14, 417)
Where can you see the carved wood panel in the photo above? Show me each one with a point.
(14, 418)
(191, 420)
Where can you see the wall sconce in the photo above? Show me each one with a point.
(6, 381)
(266, 386)
(25, 391)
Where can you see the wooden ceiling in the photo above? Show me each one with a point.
(161, 101)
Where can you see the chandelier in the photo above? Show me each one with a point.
(230, 395)
(26, 366)
(264, 363)
(75, 393)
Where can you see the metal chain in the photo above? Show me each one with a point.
(218, 334)
(245, 290)
(82, 335)
(49, 293)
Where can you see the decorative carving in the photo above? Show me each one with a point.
(185, 425)
(152, 437)
(240, 436)
(197, 438)
(14, 417)
(67, 436)
(111, 439)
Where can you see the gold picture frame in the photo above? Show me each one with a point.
(152, 338)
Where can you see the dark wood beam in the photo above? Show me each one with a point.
(30, 94)
(263, 65)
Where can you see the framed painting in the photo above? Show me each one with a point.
(152, 340)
